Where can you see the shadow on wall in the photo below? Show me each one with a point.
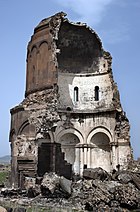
(80, 50)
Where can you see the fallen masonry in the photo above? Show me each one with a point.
(98, 191)
(71, 118)
(70, 142)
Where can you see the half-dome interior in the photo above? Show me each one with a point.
(80, 49)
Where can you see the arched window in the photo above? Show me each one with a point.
(96, 93)
(76, 95)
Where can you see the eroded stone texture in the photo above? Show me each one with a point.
(71, 117)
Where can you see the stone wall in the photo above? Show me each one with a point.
(86, 88)
(71, 102)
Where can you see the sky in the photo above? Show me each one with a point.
(117, 22)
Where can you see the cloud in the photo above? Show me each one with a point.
(102, 15)
(90, 11)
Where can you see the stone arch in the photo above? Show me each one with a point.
(69, 139)
(68, 143)
(12, 138)
(27, 129)
(34, 47)
(43, 55)
(48, 138)
(32, 65)
(43, 58)
(44, 41)
(72, 131)
(100, 139)
(12, 135)
(97, 130)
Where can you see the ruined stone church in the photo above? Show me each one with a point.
(71, 117)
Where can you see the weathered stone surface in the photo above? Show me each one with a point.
(127, 195)
(2, 209)
(118, 195)
(49, 183)
(12, 193)
(33, 191)
(65, 184)
(92, 193)
(71, 101)
(96, 173)
(29, 182)
(136, 180)
(124, 177)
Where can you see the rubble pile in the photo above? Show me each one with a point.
(96, 191)
(97, 194)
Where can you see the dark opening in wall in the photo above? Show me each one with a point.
(51, 159)
(96, 93)
(76, 94)
(29, 148)
(85, 166)
(68, 109)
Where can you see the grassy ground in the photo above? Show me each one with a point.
(3, 177)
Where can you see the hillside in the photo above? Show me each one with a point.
(5, 159)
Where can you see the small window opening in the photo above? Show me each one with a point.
(76, 94)
(96, 93)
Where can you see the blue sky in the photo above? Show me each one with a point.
(117, 23)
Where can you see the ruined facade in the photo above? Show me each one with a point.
(71, 117)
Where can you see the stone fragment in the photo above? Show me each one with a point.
(71, 117)
(95, 173)
(136, 180)
(49, 183)
(2, 209)
(127, 196)
(29, 182)
(35, 191)
(10, 192)
(65, 184)
(124, 177)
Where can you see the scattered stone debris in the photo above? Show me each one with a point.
(12, 192)
(71, 117)
(96, 173)
(54, 136)
(65, 184)
(49, 183)
(95, 191)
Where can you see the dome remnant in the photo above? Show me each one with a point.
(71, 117)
